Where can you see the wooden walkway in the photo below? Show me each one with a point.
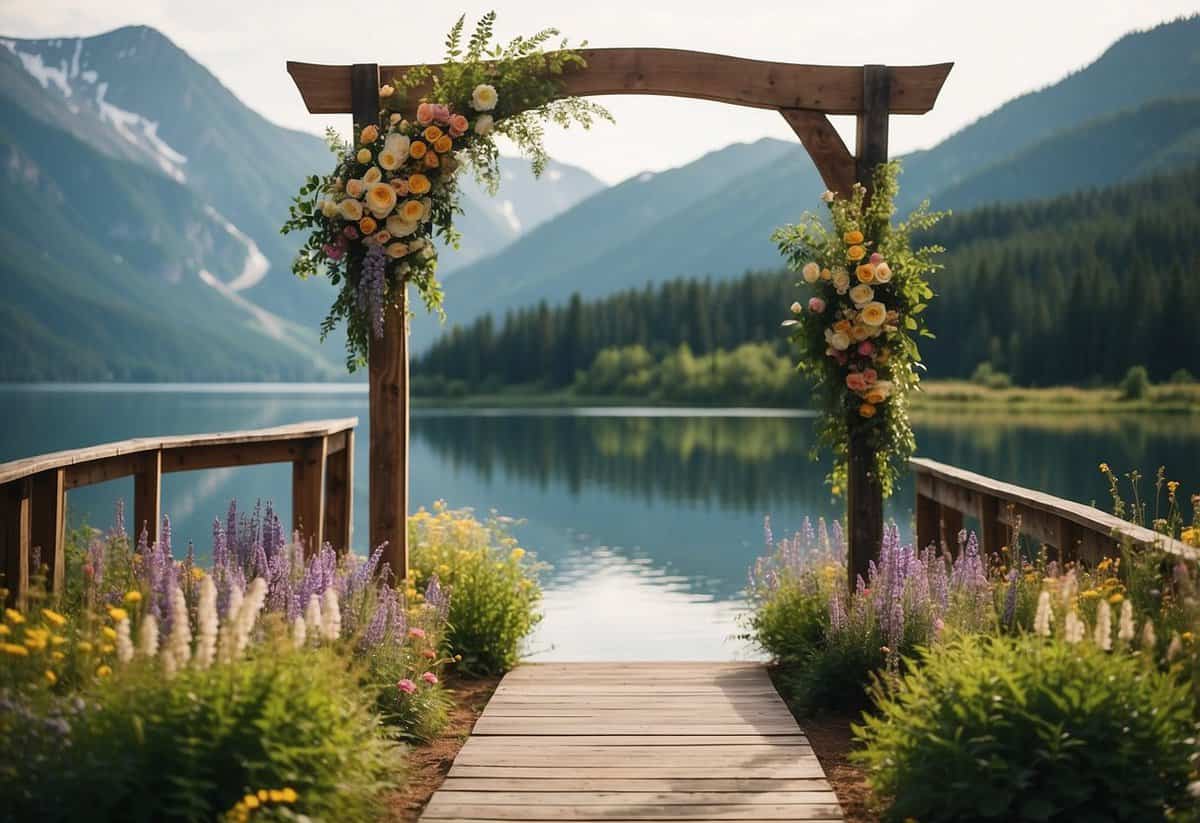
(635, 741)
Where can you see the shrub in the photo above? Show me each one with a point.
(1025, 728)
(987, 376)
(1135, 385)
(1182, 377)
(494, 592)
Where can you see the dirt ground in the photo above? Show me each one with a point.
(831, 740)
(428, 763)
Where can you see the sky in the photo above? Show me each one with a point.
(1000, 50)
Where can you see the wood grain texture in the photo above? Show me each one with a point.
(635, 741)
(147, 495)
(47, 522)
(308, 495)
(339, 490)
(825, 146)
(679, 73)
(14, 538)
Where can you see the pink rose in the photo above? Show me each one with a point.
(333, 252)
(866, 348)
(350, 232)
(816, 305)
(840, 357)
(876, 258)
(458, 125)
(854, 382)
(406, 686)
(870, 376)
(441, 113)
(416, 632)
(430, 678)
(425, 114)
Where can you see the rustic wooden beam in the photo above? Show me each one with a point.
(825, 146)
(101, 471)
(226, 455)
(15, 537)
(993, 535)
(48, 506)
(339, 493)
(678, 73)
(147, 496)
(929, 516)
(308, 495)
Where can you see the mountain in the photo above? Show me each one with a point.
(170, 191)
(644, 231)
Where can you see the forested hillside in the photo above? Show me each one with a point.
(1070, 290)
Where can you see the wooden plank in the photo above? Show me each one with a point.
(14, 538)
(790, 771)
(928, 514)
(100, 470)
(678, 73)
(635, 798)
(339, 492)
(147, 495)
(825, 146)
(308, 495)
(743, 811)
(734, 785)
(663, 740)
(47, 521)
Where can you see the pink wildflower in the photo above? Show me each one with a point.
(416, 632)
(406, 686)
(430, 678)
(816, 305)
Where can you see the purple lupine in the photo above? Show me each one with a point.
(438, 598)
(837, 612)
(159, 576)
(371, 286)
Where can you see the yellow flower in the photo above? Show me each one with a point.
(865, 273)
(443, 144)
(250, 801)
(1116, 598)
(1104, 468)
(4, 630)
(57, 639)
(367, 225)
(117, 614)
(1191, 536)
(1187, 637)
(381, 199)
(51, 677)
(104, 671)
(57, 656)
(1091, 594)
(53, 617)
(418, 184)
(517, 553)
(14, 649)
(289, 794)
(874, 313)
(432, 134)
(107, 648)
(866, 410)
(197, 573)
(264, 795)
(853, 237)
(412, 211)
(417, 150)
(856, 253)
(363, 156)
(83, 646)
(275, 795)
(133, 597)
(109, 632)
(14, 616)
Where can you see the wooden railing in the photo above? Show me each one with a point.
(33, 491)
(946, 493)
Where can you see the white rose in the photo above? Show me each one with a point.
(355, 187)
(397, 144)
(397, 250)
(484, 125)
(839, 341)
(329, 208)
(811, 272)
(381, 199)
(883, 273)
(841, 282)
(862, 294)
(399, 227)
(484, 97)
(873, 314)
(351, 209)
(373, 176)
(797, 308)
(388, 160)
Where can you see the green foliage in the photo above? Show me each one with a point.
(831, 338)
(1182, 377)
(494, 593)
(145, 748)
(418, 716)
(1028, 729)
(985, 375)
(1135, 385)
(790, 625)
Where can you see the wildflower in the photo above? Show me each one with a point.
(197, 574)
(247, 615)
(84, 646)
(1103, 632)
(406, 686)
(289, 794)
(104, 671)
(430, 678)
(51, 677)
(1104, 468)
(109, 632)
(14, 649)
(1074, 628)
(312, 616)
(1125, 630)
(133, 597)
(416, 632)
(14, 616)
(178, 649)
(517, 553)
(148, 637)
(54, 617)
(4, 630)
(1044, 616)
(429, 654)
(207, 624)
(124, 642)
(332, 615)
(299, 633)
(250, 801)
(1149, 639)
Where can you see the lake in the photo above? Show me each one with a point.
(648, 517)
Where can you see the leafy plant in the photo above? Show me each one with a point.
(1024, 728)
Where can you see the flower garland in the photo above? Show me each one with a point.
(857, 330)
(371, 223)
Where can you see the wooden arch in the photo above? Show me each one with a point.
(803, 94)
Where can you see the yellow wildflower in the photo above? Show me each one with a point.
(57, 640)
(14, 649)
(51, 677)
(53, 617)
(1172, 486)
(517, 553)
(250, 801)
(83, 646)
(275, 795)
(1187, 637)
(117, 614)
(109, 632)
(133, 597)
(4, 630)
(57, 656)
(289, 795)
(1104, 468)
(104, 671)
(1116, 598)
(14, 616)
(264, 795)
(1091, 594)
(107, 648)
(197, 573)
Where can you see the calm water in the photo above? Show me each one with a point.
(648, 517)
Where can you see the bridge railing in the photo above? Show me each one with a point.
(33, 491)
(946, 493)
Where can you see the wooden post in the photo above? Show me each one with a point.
(14, 538)
(308, 494)
(339, 494)
(864, 492)
(928, 521)
(388, 375)
(993, 534)
(147, 496)
(47, 518)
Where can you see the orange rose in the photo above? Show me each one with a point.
(866, 273)
(842, 326)
(431, 134)
(418, 184)
(443, 144)
(856, 253)
(866, 410)
(369, 135)
(418, 149)
(431, 160)
(853, 238)
(412, 210)
(367, 225)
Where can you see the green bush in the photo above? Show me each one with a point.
(494, 592)
(791, 623)
(190, 748)
(405, 678)
(1135, 385)
(1029, 729)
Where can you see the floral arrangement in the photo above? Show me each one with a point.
(857, 329)
(371, 223)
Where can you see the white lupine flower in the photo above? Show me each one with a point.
(124, 641)
(299, 633)
(332, 616)
(1125, 630)
(148, 636)
(179, 641)
(207, 624)
(1074, 628)
(1069, 589)
(1175, 647)
(1102, 635)
(247, 616)
(1045, 615)
(1149, 638)
(312, 618)
(225, 636)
